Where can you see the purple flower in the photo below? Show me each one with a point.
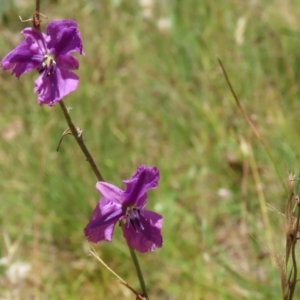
(50, 55)
(141, 227)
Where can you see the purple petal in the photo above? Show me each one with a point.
(109, 191)
(19, 60)
(53, 88)
(67, 62)
(150, 237)
(103, 221)
(145, 178)
(64, 37)
(27, 55)
(36, 40)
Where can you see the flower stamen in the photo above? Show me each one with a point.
(133, 218)
(48, 63)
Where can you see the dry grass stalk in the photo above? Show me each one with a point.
(292, 217)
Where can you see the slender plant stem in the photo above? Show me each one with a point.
(37, 6)
(36, 22)
(293, 281)
(80, 142)
(250, 123)
(138, 272)
(122, 281)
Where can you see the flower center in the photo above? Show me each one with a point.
(133, 218)
(48, 64)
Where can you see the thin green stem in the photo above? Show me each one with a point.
(79, 140)
(138, 272)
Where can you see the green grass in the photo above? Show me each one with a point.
(158, 98)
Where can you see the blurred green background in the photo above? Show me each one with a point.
(152, 92)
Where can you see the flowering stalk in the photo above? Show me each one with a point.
(96, 171)
(50, 54)
(90, 159)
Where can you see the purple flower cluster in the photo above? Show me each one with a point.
(141, 227)
(49, 54)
